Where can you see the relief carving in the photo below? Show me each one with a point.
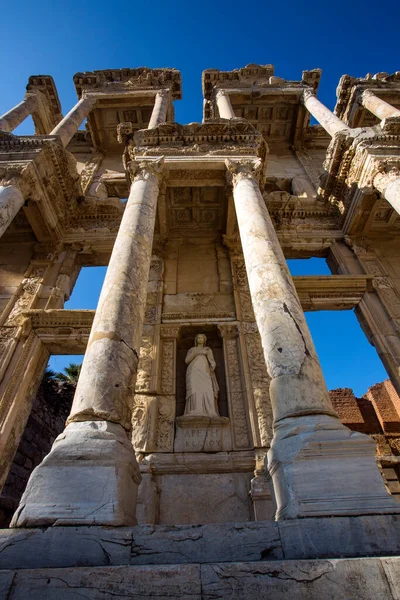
(236, 394)
(260, 383)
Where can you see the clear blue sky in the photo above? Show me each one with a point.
(62, 38)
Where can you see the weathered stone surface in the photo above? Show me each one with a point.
(377, 535)
(6, 579)
(207, 543)
(359, 579)
(89, 477)
(65, 547)
(204, 498)
(162, 582)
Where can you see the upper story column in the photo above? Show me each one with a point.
(67, 128)
(380, 108)
(91, 474)
(388, 184)
(14, 117)
(160, 109)
(314, 461)
(224, 105)
(330, 122)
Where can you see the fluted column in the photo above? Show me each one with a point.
(330, 122)
(11, 200)
(378, 107)
(388, 184)
(160, 109)
(224, 105)
(69, 125)
(14, 117)
(318, 466)
(91, 475)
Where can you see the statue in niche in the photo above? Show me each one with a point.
(201, 382)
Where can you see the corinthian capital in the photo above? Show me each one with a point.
(307, 93)
(144, 169)
(244, 169)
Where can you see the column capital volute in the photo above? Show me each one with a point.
(307, 93)
(244, 169)
(140, 170)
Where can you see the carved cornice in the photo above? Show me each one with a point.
(121, 80)
(218, 137)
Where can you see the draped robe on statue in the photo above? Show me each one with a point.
(201, 383)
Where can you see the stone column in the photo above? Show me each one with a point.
(160, 109)
(14, 117)
(388, 184)
(67, 128)
(91, 475)
(224, 105)
(377, 106)
(11, 200)
(330, 122)
(318, 466)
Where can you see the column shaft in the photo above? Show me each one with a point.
(91, 475)
(380, 108)
(297, 385)
(14, 117)
(318, 466)
(67, 128)
(330, 122)
(224, 105)
(108, 373)
(160, 109)
(11, 200)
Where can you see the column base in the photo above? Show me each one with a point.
(90, 477)
(319, 467)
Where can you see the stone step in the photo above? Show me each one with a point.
(212, 543)
(337, 579)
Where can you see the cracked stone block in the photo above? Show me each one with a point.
(64, 547)
(349, 579)
(207, 543)
(340, 536)
(164, 583)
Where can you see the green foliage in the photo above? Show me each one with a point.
(70, 375)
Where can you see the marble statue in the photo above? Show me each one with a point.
(201, 382)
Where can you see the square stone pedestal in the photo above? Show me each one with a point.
(90, 477)
(202, 434)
